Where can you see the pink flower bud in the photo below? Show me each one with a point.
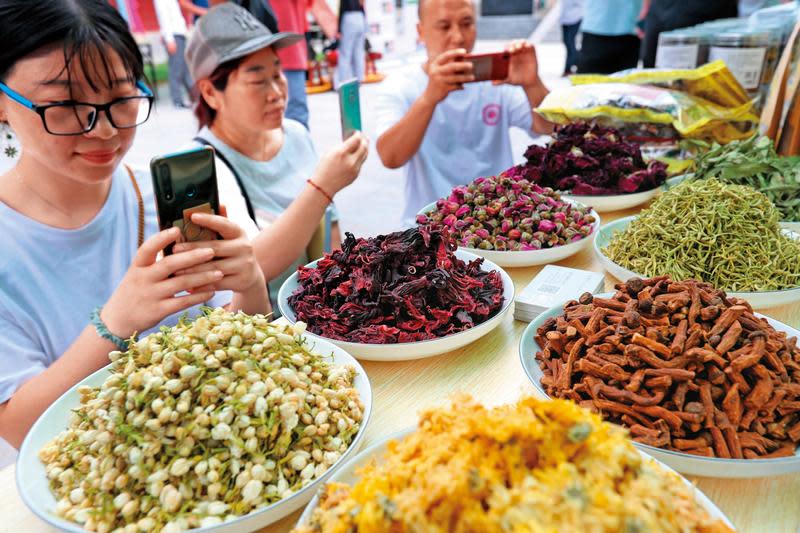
(547, 226)
(463, 210)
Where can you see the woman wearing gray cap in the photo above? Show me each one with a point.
(242, 98)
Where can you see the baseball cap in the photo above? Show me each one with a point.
(227, 32)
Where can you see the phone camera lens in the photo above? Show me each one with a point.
(191, 191)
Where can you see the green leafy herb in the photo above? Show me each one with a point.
(754, 162)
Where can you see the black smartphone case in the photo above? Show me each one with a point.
(182, 181)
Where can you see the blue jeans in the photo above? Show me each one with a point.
(297, 107)
(352, 56)
(179, 78)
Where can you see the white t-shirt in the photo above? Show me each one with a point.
(51, 279)
(466, 138)
(271, 185)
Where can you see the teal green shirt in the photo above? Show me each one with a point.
(611, 17)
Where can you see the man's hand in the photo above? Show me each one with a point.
(523, 68)
(172, 48)
(447, 73)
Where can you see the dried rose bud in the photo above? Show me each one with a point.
(546, 226)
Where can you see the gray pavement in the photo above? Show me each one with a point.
(373, 204)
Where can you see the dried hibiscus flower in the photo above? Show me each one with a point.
(403, 287)
(590, 160)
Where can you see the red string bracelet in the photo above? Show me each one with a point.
(326, 195)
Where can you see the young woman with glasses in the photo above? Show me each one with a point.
(78, 229)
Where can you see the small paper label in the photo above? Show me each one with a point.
(744, 63)
(677, 56)
(555, 285)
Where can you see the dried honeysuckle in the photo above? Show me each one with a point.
(201, 423)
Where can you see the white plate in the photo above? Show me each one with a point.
(347, 474)
(32, 482)
(791, 226)
(615, 202)
(411, 350)
(685, 463)
(759, 300)
(530, 257)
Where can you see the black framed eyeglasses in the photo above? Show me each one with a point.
(77, 118)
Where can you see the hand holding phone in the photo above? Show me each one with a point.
(340, 167)
(523, 67)
(350, 107)
(486, 67)
(185, 183)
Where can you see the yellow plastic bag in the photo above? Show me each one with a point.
(713, 82)
(650, 114)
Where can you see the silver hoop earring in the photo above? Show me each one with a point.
(9, 149)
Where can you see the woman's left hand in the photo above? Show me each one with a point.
(233, 255)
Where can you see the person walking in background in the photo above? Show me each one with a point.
(666, 15)
(610, 43)
(352, 37)
(173, 31)
(292, 17)
(570, 18)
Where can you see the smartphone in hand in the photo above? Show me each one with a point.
(350, 107)
(185, 183)
(489, 66)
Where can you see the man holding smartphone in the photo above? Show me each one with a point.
(445, 129)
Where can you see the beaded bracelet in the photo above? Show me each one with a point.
(103, 332)
(326, 195)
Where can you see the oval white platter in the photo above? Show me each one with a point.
(684, 463)
(411, 350)
(518, 258)
(759, 300)
(33, 486)
(615, 202)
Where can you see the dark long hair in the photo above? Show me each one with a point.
(84, 29)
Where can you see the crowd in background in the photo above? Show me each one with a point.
(616, 34)
(175, 18)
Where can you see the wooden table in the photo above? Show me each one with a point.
(489, 369)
